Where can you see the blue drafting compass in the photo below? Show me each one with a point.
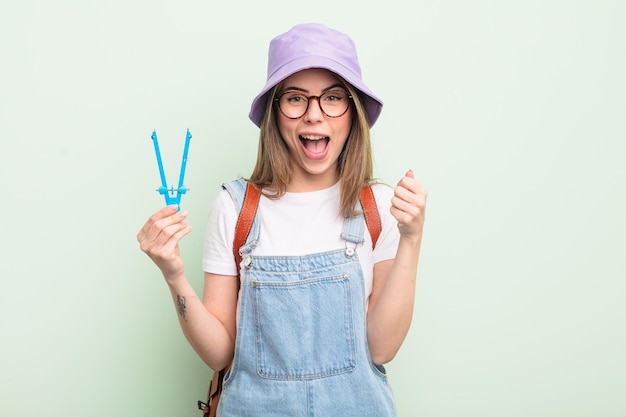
(172, 195)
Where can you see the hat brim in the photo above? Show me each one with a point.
(373, 105)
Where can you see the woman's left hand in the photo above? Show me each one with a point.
(408, 206)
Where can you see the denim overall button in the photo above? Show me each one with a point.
(247, 262)
(349, 252)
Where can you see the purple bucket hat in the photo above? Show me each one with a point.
(314, 46)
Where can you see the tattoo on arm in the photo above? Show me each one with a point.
(182, 308)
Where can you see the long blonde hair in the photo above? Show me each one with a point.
(273, 165)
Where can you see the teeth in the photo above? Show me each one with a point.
(312, 137)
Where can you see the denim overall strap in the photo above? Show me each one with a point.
(237, 190)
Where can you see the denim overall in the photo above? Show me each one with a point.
(301, 346)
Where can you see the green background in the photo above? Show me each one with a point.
(511, 113)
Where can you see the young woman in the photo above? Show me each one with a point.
(314, 310)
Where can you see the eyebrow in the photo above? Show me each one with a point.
(306, 91)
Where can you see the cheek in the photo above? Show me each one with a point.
(342, 145)
(344, 130)
(285, 128)
(286, 133)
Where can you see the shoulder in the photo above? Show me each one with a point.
(383, 194)
(224, 205)
(382, 188)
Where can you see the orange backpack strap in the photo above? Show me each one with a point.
(245, 220)
(370, 212)
(209, 408)
(251, 203)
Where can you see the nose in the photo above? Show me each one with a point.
(314, 112)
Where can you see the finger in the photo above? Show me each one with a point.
(410, 208)
(409, 202)
(411, 185)
(401, 216)
(408, 212)
(164, 212)
(157, 224)
(166, 228)
(166, 244)
(411, 191)
(408, 181)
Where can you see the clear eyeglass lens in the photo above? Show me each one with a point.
(333, 103)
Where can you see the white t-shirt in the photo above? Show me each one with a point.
(298, 224)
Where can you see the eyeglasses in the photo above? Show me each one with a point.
(294, 104)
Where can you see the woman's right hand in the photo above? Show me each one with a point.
(159, 238)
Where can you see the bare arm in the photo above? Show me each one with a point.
(393, 292)
(208, 325)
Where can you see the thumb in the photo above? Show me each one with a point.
(410, 174)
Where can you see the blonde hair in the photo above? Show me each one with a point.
(355, 166)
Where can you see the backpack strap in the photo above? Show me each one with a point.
(251, 203)
(245, 220)
(370, 212)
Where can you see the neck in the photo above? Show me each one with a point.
(302, 182)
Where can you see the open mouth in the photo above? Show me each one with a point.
(314, 145)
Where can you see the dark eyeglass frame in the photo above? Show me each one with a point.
(308, 103)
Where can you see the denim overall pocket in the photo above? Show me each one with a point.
(303, 327)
